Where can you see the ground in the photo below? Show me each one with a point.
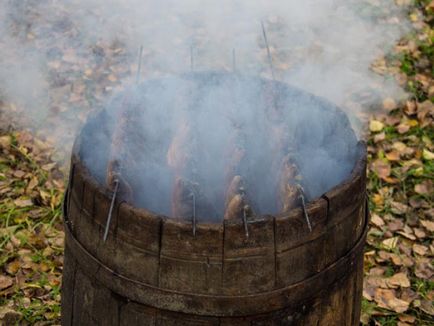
(398, 286)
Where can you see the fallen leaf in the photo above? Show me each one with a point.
(427, 306)
(13, 267)
(407, 318)
(387, 299)
(376, 126)
(389, 104)
(429, 225)
(399, 280)
(427, 155)
(5, 282)
(377, 220)
(5, 142)
(424, 188)
(398, 208)
(420, 249)
(23, 202)
(381, 168)
(403, 128)
(424, 269)
(390, 243)
(393, 156)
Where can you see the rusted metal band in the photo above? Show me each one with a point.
(215, 305)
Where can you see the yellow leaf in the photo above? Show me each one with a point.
(376, 126)
(427, 155)
(390, 243)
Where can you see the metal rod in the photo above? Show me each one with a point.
(234, 61)
(303, 203)
(191, 58)
(194, 213)
(270, 59)
(109, 217)
(139, 66)
(246, 229)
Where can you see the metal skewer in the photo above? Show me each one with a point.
(270, 59)
(234, 61)
(191, 58)
(109, 217)
(194, 213)
(246, 229)
(139, 67)
(303, 203)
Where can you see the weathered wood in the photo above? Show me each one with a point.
(156, 271)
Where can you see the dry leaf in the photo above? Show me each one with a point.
(5, 282)
(387, 299)
(420, 249)
(393, 155)
(427, 155)
(390, 243)
(427, 306)
(424, 269)
(399, 280)
(381, 168)
(376, 126)
(429, 225)
(398, 208)
(407, 318)
(389, 104)
(5, 142)
(424, 188)
(23, 202)
(377, 220)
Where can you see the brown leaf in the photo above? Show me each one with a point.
(379, 137)
(427, 306)
(424, 269)
(420, 249)
(387, 299)
(19, 174)
(381, 168)
(377, 220)
(429, 225)
(389, 104)
(398, 208)
(399, 280)
(403, 128)
(393, 156)
(407, 318)
(5, 282)
(424, 188)
(23, 202)
(13, 267)
(5, 142)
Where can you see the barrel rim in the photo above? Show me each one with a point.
(357, 172)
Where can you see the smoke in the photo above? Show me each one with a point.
(61, 60)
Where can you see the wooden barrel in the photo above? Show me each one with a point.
(153, 271)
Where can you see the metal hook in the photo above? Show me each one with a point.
(109, 217)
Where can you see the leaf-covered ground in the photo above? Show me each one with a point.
(399, 287)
